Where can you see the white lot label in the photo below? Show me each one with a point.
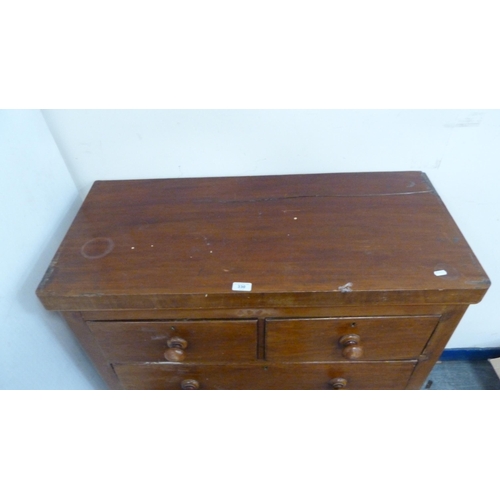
(441, 272)
(242, 287)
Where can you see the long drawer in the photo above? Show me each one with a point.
(301, 376)
(187, 341)
(355, 338)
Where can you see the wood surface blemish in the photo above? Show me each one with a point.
(97, 248)
(346, 288)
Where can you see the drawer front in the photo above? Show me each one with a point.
(185, 341)
(355, 338)
(285, 376)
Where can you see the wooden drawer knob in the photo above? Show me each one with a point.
(351, 348)
(338, 383)
(190, 384)
(174, 355)
(175, 351)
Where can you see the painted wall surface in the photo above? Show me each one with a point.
(458, 149)
(38, 200)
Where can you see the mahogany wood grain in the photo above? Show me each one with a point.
(264, 313)
(299, 239)
(137, 341)
(89, 343)
(262, 376)
(318, 339)
(449, 321)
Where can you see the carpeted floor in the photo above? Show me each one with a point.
(462, 375)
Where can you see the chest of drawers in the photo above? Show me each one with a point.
(323, 281)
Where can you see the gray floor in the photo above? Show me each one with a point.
(462, 375)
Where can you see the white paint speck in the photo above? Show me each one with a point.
(345, 288)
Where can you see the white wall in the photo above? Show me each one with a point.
(38, 199)
(458, 149)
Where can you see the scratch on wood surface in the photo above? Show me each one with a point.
(277, 198)
(484, 281)
(49, 274)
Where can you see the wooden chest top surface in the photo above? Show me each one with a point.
(347, 238)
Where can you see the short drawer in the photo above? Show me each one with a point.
(284, 376)
(177, 341)
(354, 338)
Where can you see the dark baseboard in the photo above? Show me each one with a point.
(470, 354)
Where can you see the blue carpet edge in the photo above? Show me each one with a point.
(472, 354)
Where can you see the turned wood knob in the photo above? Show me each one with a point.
(338, 383)
(177, 342)
(175, 351)
(351, 348)
(190, 384)
(174, 355)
